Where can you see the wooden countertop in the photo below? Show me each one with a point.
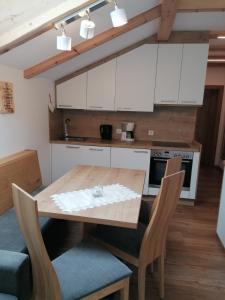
(193, 146)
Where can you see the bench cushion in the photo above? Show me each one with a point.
(10, 236)
(15, 275)
(87, 268)
(7, 297)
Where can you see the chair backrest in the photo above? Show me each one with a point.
(173, 165)
(45, 281)
(154, 239)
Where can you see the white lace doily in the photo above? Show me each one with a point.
(93, 197)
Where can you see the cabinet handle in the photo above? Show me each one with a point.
(124, 108)
(65, 105)
(140, 151)
(73, 147)
(95, 149)
(193, 102)
(98, 107)
(168, 101)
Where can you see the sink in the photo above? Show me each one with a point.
(74, 138)
(170, 144)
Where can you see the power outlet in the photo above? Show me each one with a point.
(151, 132)
(118, 131)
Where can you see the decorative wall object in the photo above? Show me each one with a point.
(6, 97)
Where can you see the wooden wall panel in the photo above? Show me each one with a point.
(168, 123)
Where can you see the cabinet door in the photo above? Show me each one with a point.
(193, 74)
(132, 159)
(135, 79)
(168, 73)
(97, 156)
(101, 87)
(72, 93)
(65, 157)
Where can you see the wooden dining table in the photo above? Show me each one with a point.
(122, 214)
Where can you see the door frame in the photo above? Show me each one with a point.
(218, 117)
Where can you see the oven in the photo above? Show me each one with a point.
(158, 165)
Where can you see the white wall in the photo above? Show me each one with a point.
(216, 76)
(27, 128)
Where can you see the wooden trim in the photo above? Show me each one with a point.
(201, 5)
(176, 37)
(99, 39)
(168, 14)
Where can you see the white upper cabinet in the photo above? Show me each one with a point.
(168, 73)
(72, 93)
(101, 87)
(193, 73)
(135, 79)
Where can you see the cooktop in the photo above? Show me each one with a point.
(170, 144)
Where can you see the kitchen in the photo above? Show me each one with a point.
(155, 87)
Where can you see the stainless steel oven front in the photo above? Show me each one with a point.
(158, 165)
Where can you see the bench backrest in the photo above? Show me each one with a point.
(21, 168)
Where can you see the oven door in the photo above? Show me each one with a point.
(157, 170)
(158, 167)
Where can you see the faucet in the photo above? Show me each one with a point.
(66, 128)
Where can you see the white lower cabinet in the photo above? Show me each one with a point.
(65, 157)
(132, 159)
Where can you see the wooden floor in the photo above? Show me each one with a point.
(195, 265)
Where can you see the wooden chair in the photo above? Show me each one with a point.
(142, 246)
(173, 165)
(84, 272)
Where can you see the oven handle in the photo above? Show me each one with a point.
(161, 159)
(186, 161)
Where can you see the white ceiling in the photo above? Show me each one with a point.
(44, 46)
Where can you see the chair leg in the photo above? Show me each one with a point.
(141, 282)
(124, 293)
(161, 276)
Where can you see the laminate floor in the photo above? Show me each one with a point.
(195, 263)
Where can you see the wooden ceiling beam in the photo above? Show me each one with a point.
(201, 5)
(39, 25)
(168, 14)
(99, 39)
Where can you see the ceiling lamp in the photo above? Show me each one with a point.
(87, 28)
(118, 16)
(222, 37)
(63, 41)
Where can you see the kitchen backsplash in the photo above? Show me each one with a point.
(168, 123)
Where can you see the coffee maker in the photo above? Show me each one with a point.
(127, 134)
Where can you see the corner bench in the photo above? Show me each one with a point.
(22, 169)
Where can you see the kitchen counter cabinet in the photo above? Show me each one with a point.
(66, 156)
(138, 159)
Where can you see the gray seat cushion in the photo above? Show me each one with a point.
(125, 239)
(10, 235)
(7, 297)
(87, 268)
(15, 275)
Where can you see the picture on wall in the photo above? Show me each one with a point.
(6, 98)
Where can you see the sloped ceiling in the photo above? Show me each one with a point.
(44, 46)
